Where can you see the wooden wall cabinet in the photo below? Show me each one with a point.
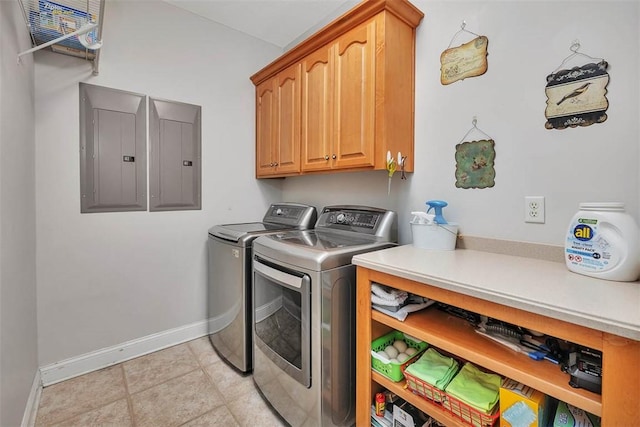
(356, 93)
(619, 404)
(278, 124)
(338, 114)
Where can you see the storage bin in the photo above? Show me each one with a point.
(418, 378)
(422, 388)
(393, 371)
(434, 236)
(469, 414)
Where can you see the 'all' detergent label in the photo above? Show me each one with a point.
(587, 248)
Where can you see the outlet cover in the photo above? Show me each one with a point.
(534, 209)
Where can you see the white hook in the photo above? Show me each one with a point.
(474, 121)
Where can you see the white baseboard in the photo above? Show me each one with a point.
(99, 359)
(31, 409)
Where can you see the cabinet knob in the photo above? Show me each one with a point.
(326, 157)
(333, 157)
(271, 164)
(275, 164)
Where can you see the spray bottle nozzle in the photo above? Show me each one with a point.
(437, 205)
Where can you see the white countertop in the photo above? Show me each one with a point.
(542, 287)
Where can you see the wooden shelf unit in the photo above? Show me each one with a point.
(618, 405)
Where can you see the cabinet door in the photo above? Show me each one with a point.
(287, 119)
(354, 98)
(316, 111)
(265, 135)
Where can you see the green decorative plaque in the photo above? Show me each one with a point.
(475, 164)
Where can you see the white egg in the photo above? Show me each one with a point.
(410, 351)
(394, 361)
(400, 345)
(402, 357)
(391, 351)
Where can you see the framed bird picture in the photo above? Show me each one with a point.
(577, 97)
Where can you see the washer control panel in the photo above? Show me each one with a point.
(353, 218)
(359, 219)
(293, 214)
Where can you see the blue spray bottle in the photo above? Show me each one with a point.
(437, 205)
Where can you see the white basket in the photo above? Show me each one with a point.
(434, 236)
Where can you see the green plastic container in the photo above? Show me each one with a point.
(391, 370)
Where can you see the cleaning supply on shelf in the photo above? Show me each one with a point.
(431, 230)
(523, 406)
(380, 405)
(437, 206)
(570, 416)
(422, 218)
(478, 389)
(434, 368)
(603, 241)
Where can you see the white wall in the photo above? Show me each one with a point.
(18, 334)
(527, 41)
(104, 279)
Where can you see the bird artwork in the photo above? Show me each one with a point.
(577, 96)
(582, 89)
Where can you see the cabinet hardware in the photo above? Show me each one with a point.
(326, 157)
(333, 157)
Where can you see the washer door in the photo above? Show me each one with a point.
(282, 313)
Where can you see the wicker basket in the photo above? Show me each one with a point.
(470, 415)
(422, 388)
(461, 410)
(391, 370)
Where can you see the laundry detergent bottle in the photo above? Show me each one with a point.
(603, 242)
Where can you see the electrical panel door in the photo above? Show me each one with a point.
(113, 162)
(174, 166)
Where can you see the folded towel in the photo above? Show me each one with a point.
(383, 295)
(434, 368)
(476, 388)
(402, 314)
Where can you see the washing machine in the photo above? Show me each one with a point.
(230, 280)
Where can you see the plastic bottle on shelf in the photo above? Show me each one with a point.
(603, 242)
(380, 404)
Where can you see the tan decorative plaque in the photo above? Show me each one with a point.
(467, 60)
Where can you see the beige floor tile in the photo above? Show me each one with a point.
(155, 368)
(230, 383)
(113, 414)
(218, 417)
(73, 397)
(175, 401)
(251, 411)
(204, 351)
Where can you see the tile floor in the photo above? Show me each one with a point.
(185, 385)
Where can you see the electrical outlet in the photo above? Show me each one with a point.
(534, 209)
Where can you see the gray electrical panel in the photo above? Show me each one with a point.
(174, 156)
(113, 162)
